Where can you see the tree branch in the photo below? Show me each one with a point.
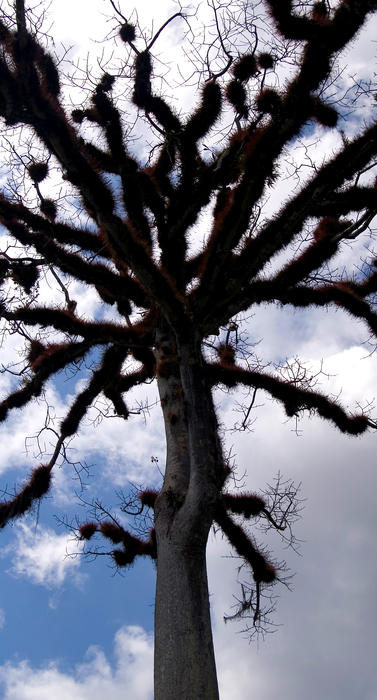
(292, 397)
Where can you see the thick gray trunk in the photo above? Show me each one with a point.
(184, 656)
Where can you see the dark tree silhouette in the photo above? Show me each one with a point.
(178, 309)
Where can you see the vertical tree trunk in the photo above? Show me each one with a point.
(184, 655)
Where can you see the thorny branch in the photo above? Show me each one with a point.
(130, 237)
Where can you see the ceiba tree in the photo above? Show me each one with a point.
(173, 304)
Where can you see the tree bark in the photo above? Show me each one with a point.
(184, 654)
(184, 665)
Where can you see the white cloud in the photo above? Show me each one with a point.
(353, 374)
(122, 448)
(325, 640)
(325, 647)
(95, 679)
(19, 427)
(40, 555)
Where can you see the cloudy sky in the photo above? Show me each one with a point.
(73, 628)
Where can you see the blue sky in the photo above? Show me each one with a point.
(73, 628)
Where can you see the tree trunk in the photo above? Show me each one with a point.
(184, 655)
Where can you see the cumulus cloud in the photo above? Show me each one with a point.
(325, 647)
(124, 449)
(16, 433)
(96, 678)
(41, 556)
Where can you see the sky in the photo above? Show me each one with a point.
(71, 627)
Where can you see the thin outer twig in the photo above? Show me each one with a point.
(177, 14)
(117, 10)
